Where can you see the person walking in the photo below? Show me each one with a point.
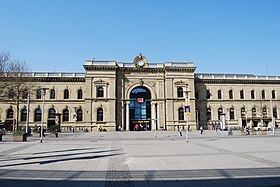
(180, 131)
(201, 129)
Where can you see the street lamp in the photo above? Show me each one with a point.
(75, 119)
(43, 93)
(228, 118)
(27, 115)
(272, 117)
(187, 112)
(246, 116)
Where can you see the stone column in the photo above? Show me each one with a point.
(153, 115)
(127, 116)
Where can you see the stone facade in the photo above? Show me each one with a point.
(243, 99)
(101, 98)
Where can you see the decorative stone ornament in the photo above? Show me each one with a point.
(140, 61)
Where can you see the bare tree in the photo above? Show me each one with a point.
(5, 60)
(14, 84)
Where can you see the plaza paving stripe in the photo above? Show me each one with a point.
(16, 149)
(118, 173)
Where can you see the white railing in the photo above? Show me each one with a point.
(236, 76)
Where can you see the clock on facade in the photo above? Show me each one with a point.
(140, 61)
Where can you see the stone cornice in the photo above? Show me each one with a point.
(59, 79)
(182, 69)
(46, 79)
(141, 69)
(237, 81)
(101, 68)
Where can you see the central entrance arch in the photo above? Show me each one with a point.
(140, 109)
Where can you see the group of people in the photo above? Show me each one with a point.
(181, 129)
(139, 127)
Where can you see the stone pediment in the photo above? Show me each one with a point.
(100, 81)
(180, 83)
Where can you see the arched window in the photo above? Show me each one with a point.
(180, 92)
(51, 113)
(263, 94)
(208, 114)
(80, 94)
(219, 94)
(275, 112)
(52, 94)
(65, 115)
(241, 94)
(252, 94)
(208, 94)
(273, 95)
(264, 112)
(220, 111)
(181, 113)
(231, 113)
(99, 114)
(10, 114)
(38, 115)
(23, 115)
(99, 91)
(243, 113)
(38, 94)
(254, 112)
(24, 94)
(79, 115)
(230, 94)
(66, 94)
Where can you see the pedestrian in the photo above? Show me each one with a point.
(201, 129)
(141, 127)
(247, 131)
(136, 127)
(180, 131)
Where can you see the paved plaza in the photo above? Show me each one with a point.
(142, 159)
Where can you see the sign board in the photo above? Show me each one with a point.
(75, 117)
(140, 100)
(187, 109)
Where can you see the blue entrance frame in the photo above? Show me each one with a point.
(140, 109)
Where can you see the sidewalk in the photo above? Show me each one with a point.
(141, 159)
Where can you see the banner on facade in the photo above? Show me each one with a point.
(187, 109)
(74, 117)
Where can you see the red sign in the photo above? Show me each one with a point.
(140, 100)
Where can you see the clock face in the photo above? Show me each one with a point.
(141, 63)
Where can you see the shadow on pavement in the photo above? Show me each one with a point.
(208, 177)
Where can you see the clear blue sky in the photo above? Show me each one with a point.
(218, 36)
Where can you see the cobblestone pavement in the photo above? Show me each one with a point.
(142, 159)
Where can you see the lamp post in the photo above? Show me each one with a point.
(43, 93)
(75, 119)
(27, 115)
(228, 118)
(272, 118)
(246, 116)
(187, 112)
